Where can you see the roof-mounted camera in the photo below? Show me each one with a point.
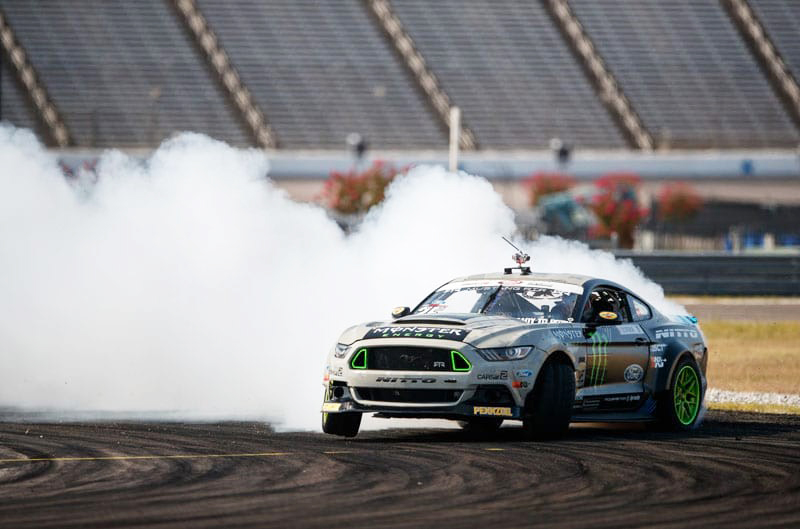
(520, 258)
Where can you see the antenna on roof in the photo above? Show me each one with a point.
(520, 258)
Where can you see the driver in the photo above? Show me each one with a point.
(563, 309)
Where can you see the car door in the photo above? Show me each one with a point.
(616, 352)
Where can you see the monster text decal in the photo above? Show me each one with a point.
(568, 335)
(436, 333)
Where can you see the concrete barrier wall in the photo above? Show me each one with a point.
(721, 274)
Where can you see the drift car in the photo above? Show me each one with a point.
(544, 349)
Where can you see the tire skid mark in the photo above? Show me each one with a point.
(738, 471)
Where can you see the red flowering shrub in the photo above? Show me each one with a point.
(543, 183)
(354, 192)
(678, 202)
(616, 207)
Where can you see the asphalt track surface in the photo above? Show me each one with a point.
(737, 470)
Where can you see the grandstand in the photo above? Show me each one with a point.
(130, 74)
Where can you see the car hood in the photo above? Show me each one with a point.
(477, 330)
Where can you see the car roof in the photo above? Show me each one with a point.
(571, 279)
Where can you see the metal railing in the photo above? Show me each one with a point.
(45, 107)
(220, 62)
(415, 62)
(606, 84)
(764, 49)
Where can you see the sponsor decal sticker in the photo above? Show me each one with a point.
(436, 333)
(502, 375)
(331, 406)
(623, 398)
(551, 285)
(410, 380)
(658, 348)
(629, 328)
(532, 321)
(524, 373)
(567, 335)
(657, 362)
(676, 332)
(490, 410)
(634, 373)
(608, 315)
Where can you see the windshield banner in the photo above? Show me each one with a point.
(511, 283)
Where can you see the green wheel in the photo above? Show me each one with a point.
(679, 406)
(686, 395)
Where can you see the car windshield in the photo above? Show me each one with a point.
(531, 301)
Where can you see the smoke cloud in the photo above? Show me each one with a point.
(191, 287)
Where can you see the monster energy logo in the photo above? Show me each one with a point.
(599, 357)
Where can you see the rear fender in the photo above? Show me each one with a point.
(662, 365)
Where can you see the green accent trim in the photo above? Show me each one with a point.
(457, 358)
(686, 395)
(359, 360)
(599, 359)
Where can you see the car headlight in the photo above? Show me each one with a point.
(501, 354)
(340, 350)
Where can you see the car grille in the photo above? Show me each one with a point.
(408, 395)
(409, 359)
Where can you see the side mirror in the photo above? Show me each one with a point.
(399, 312)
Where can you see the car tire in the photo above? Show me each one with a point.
(480, 426)
(548, 408)
(344, 424)
(679, 407)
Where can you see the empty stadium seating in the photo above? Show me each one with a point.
(122, 73)
(14, 107)
(128, 74)
(781, 19)
(506, 65)
(687, 73)
(321, 69)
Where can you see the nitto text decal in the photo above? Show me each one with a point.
(675, 332)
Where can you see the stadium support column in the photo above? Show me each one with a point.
(603, 80)
(27, 75)
(227, 74)
(415, 62)
(759, 42)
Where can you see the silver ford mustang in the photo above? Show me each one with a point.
(544, 349)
